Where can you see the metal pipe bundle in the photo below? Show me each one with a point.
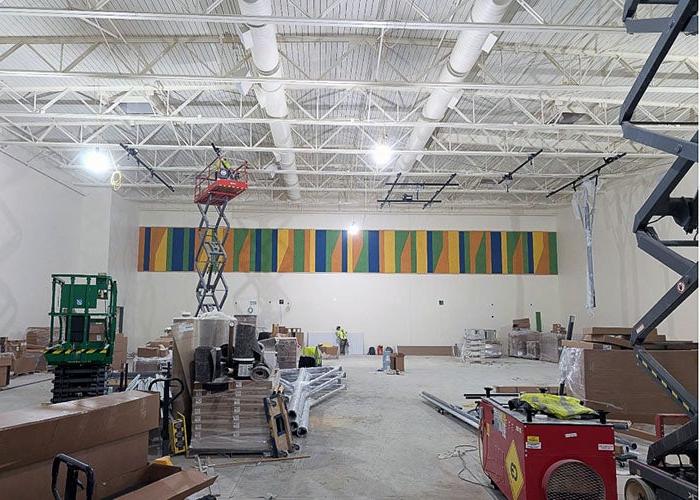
(309, 387)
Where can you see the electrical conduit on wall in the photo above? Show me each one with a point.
(272, 96)
(464, 55)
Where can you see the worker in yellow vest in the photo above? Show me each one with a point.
(342, 337)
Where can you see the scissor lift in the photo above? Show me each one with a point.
(215, 186)
(657, 476)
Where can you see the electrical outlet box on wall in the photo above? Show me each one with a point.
(246, 306)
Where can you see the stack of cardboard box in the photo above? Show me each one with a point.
(283, 331)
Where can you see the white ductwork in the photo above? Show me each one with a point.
(464, 55)
(272, 97)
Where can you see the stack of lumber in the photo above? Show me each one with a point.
(610, 338)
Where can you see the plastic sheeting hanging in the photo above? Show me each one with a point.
(583, 203)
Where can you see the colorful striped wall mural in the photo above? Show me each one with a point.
(336, 251)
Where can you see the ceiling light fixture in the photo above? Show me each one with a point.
(97, 162)
(382, 153)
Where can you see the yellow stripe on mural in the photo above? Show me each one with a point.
(421, 251)
(311, 254)
(453, 252)
(282, 246)
(161, 257)
(350, 253)
(538, 243)
(389, 255)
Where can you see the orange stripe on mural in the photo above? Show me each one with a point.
(441, 264)
(406, 255)
(357, 242)
(244, 256)
(285, 250)
(337, 256)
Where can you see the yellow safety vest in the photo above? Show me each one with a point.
(557, 406)
(341, 334)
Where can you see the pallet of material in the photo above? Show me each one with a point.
(231, 420)
(619, 338)
(613, 381)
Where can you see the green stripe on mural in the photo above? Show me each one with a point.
(511, 243)
(363, 259)
(332, 236)
(480, 258)
(299, 251)
(414, 261)
(467, 260)
(400, 239)
(186, 249)
(238, 242)
(266, 254)
(553, 266)
(437, 247)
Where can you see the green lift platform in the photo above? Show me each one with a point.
(83, 327)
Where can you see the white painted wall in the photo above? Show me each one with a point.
(628, 281)
(48, 228)
(39, 235)
(389, 309)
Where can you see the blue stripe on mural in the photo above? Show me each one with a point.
(430, 251)
(344, 251)
(147, 249)
(191, 249)
(258, 250)
(320, 250)
(496, 259)
(373, 251)
(274, 251)
(462, 263)
(178, 244)
(530, 256)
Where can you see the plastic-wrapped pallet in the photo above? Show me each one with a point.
(231, 420)
(524, 344)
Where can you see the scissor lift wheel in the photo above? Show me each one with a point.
(638, 489)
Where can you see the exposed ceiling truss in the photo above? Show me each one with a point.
(89, 74)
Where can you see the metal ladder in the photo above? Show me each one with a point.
(210, 256)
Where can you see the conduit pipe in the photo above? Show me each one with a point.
(463, 57)
(271, 96)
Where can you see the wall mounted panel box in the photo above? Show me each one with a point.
(546, 457)
(83, 325)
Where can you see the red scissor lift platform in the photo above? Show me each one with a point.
(214, 187)
(210, 188)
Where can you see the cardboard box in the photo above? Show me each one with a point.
(16, 347)
(521, 324)
(517, 389)
(166, 342)
(398, 361)
(29, 362)
(175, 484)
(5, 366)
(612, 380)
(40, 335)
(32, 435)
(151, 352)
(110, 462)
(120, 350)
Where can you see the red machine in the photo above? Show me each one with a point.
(539, 457)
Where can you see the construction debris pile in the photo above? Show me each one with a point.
(308, 387)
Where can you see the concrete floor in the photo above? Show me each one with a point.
(377, 440)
